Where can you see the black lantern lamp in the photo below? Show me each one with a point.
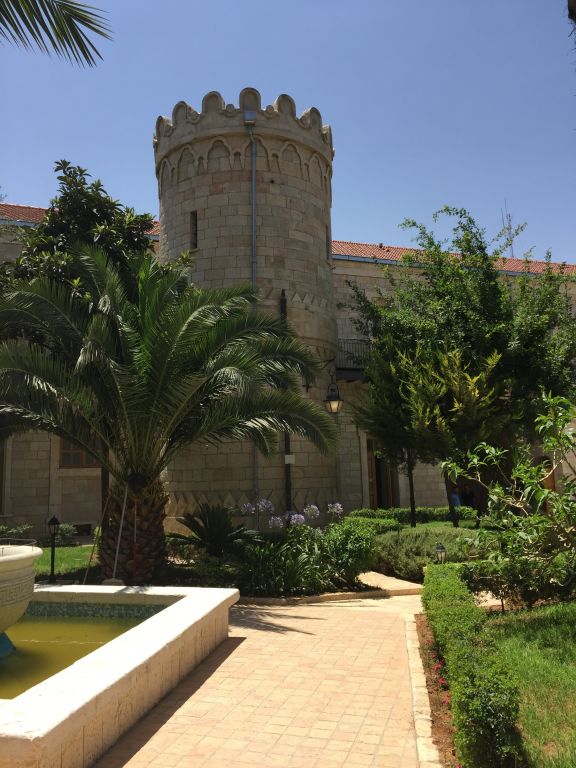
(53, 526)
(333, 402)
(440, 553)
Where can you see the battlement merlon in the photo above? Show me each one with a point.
(217, 118)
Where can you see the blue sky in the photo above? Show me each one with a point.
(447, 102)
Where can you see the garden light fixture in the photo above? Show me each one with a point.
(440, 553)
(53, 527)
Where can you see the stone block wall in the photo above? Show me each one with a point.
(36, 487)
(204, 169)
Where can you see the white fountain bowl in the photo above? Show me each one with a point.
(16, 581)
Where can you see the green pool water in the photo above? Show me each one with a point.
(46, 645)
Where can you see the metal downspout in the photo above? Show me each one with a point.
(249, 122)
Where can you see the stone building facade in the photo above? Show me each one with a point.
(247, 190)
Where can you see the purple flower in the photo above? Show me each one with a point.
(265, 506)
(276, 522)
(311, 511)
(297, 519)
(336, 509)
(247, 509)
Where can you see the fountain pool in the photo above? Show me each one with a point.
(16, 586)
(73, 717)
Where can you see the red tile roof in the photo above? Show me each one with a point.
(34, 215)
(388, 253)
(26, 213)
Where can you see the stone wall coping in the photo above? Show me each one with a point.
(76, 715)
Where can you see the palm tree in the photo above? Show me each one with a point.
(132, 366)
(60, 26)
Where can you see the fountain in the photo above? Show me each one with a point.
(16, 586)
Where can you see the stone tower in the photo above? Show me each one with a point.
(248, 191)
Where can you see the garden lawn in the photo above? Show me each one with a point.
(539, 647)
(67, 562)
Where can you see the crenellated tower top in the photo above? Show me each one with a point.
(278, 120)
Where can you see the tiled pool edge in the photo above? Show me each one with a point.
(72, 718)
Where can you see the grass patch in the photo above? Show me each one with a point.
(539, 647)
(68, 562)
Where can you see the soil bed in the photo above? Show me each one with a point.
(442, 726)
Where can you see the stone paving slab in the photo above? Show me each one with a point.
(310, 686)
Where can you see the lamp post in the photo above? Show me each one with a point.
(53, 526)
(440, 553)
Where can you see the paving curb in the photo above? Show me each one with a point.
(428, 756)
(331, 597)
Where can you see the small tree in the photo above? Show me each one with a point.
(382, 411)
(454, 298)
(82, 213)
(451, 407)
(531, 554)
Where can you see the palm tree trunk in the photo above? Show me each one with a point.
(134, 549)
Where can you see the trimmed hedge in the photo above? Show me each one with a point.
(407, 552)
(423, 514)
(377, 526)
(485, 702)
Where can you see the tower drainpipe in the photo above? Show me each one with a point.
(250, 122)
(287, 446)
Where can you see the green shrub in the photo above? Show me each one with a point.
(211, 527)
(522, 579)
(15, 531)
(378, 526)
(308, 560)
(67, 535)
(350, 550)
(290, 566)
(423, 514)
(406, 553)
(181, 549)
(485, 702)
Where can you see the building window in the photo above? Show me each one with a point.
(193, 230)
(328, 245)
(73, 457)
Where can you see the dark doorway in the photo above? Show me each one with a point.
(382, 480)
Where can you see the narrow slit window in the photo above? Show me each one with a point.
(193, 230)
(328, 244)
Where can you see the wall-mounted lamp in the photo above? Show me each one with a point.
(333, 402)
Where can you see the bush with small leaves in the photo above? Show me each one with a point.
(485, 700)
(407, 552)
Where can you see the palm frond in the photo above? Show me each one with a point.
(61, 26)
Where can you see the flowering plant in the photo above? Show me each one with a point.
(265, 506)
(335, 510)
(276, 522)
(311, 511)
(297, 519)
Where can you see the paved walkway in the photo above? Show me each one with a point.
(310, 686)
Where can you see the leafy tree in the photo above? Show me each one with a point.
(454, 298)
(451, 408)
(82, 213)
(143, 364)
(60, 26)
(531, 554)
(382, 411)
